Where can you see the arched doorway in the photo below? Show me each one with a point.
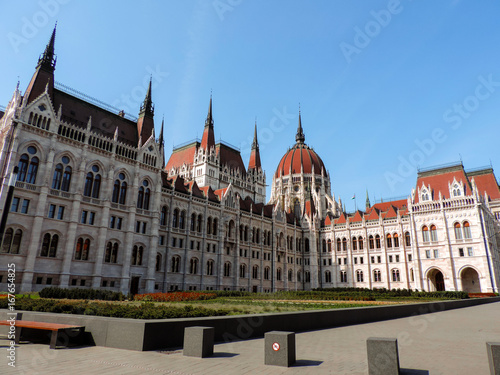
(436, 280)
(470, 280)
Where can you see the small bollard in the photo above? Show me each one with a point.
(279, 348)
(198, 341)
(383, 357)
(493, 349)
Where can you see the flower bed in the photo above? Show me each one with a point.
(175, 296)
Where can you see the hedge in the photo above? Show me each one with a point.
(80, 293)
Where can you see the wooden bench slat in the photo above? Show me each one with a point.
(38, 325)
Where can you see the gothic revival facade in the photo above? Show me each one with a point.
(96, 205)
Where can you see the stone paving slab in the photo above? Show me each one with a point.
(443, 343)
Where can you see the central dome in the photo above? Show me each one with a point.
(300, 158)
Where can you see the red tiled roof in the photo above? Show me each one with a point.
(357, 217)
(486, 182)
(208, 139)
(328, 221)
(254, 162)
(384, 206)
(309, 208)
(373, 214)
(207, 190)
(391, 213)
(439, 179)
(220, 192)
(193, 188)
(182, 155)
(341, 219)
(230, 157)
(300, 155)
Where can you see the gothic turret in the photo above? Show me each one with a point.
(43, 78)
(300, 137)
(145, 123)
(208, 139)
(254, 162)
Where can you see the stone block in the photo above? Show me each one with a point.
(383, 357)
(199, 341)
(279, 348)
(493, 349)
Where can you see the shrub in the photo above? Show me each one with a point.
(175, 296)
(80, 293)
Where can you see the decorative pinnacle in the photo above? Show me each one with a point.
(300, 137)
(47, 59)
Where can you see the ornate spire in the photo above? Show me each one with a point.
(147, 107)
(368, 204)
(160, 140)
(47, 59)
(208, 139)
(300, 137)
(254, 162)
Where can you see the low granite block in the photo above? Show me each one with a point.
(493, 349)
(199, 341)
(279, 348)
(383, 357)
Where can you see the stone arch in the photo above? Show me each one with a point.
(470, 279)
(435, 280)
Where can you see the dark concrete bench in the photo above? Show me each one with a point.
(57, 329)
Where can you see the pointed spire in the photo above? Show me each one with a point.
(255, 144)
(254, 162)
(147, 107)
(300, 137)
(47, 59)
(208, 139)
(368, 204)
(160, 140)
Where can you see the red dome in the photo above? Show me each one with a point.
(300, 155)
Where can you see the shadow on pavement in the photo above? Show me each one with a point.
(408, 371)
(306, 362)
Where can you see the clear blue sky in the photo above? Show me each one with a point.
(374, 78)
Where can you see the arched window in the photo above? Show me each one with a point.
(425, 233)
(412, 276)
(359, 276)
(329, 246)
(49, 245)
(66, 180)
(147, 197)
(57, 178)
(89, 181)
(32, 170)
(290, 275)
(467, 233)
(199, 224)
(307, 275)
(278, 274)
(267, 272)
(22, 167)
(175, 218)
(307, 245)
(28, 168)
(137, 254)
(227, 269)
(111, 253)
(343, 276)
(243, 270)
(214, 228)
(140, 197)
(123, 193)
(407, 238)
(116, 192)
(395, 238)
(82, 249)
(360, 243)
(344, 244)
(377, 241)
(209, 226)
(210, 267)
(395, 275)
(193, 266)
(176, 262)
(328, 276)
(377, 276)
(299, 276)
(163, 215)
(158, 262)
(255, 272)
(433, 233)
(370, 242)
(338, 244)
(458, 231)
(93, 183)
(182, 220)
(354, 243)
(114, 253)
(12, 241)
(193, 222)
(389, 240)
(257, 236)
(324, 245)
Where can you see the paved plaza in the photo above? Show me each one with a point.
(449, 343)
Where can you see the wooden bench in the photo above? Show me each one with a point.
(57, 329)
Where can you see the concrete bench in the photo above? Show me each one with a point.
(57, 329)
(493, 349)
(383, 356)
(199, 341)
(279, 348)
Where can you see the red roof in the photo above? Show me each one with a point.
(208, 191)
(309, 208)
(341, 219)
(384, 206)
(439, 179)
(230, 157)
(220, 192)
(373, 214)
(357, 217)
(328, 221)
(486, 182)
(182, 155)
(391, 213)
(300, 155)
(254, 162)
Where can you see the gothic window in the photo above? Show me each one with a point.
(359, 276)
(377, 241)
(433, 233)
(28, 166)
(175, 218)
(467, 233)
(140, 197)
(458, 231)
(209, 226)
(278, 274)
(328, 276)
(182, 219)
(82, 249)
(290, 275)
(158, 262)
(425, 233)
(163, 215)
(354, 243)
(227, 269)
(389, 240)
(255, 272)
(344, 244)
(49, 245)
(193, 266)
(137, 254)
(57, 178)
(395, 239)
(214, 229)
(193, 222)
(111, 253)
(407, 239)
(307, 275)
(267, 272)
(12, 241)
(425, 195)
(176, 261)
(395, 275)
(371, 243)
(199, 224)
(243, 270)
(343, 276)
(299, 276)
(329, 246)
(377, 276)
(360, 243)
(210, 267)
(92, 183)
(307, 245)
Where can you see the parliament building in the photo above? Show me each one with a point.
(96, 204)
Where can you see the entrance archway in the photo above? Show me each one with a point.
(470, 280)
(436, 280)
